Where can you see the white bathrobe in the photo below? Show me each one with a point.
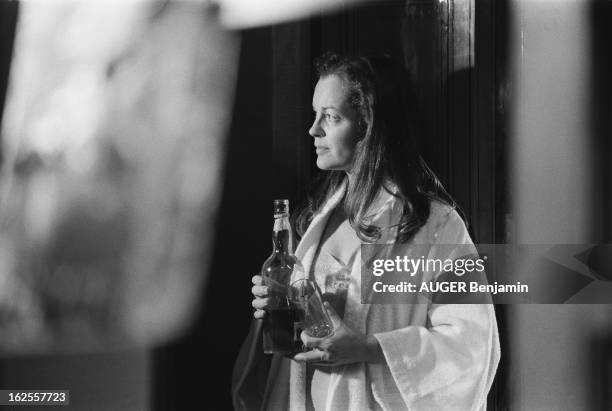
(438, 357)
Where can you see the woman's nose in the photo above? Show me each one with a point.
(316, 130)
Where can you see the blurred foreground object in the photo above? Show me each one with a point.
(113, 147)
(556, 360)
(239, 14)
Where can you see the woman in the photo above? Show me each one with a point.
(378, 190)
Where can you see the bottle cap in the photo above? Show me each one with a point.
(281, 206)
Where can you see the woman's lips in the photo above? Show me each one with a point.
(321, 150)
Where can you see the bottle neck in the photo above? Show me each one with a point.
(282, 238)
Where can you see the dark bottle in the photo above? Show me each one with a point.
(281, 328)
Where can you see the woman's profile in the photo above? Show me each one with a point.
(376, 189)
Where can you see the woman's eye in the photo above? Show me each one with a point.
(332, 117)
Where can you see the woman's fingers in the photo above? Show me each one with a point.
(313, 356)
(259, 303)
(310, 342)
(259, 290)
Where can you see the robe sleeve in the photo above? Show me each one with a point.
(450, 363)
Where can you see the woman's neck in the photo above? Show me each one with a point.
(350, 176)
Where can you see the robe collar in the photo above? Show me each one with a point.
(380, 213)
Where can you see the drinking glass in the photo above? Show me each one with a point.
(306, 298)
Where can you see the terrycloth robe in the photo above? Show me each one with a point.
(438, 357)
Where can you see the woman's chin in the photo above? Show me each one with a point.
(328, 166)
(323, 165)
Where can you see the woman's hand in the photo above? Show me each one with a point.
(344, 346)
(260, 300)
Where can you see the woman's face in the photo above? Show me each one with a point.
(335, 127)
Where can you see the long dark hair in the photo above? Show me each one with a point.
(377, 90)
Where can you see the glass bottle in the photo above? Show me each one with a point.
(282, 321)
